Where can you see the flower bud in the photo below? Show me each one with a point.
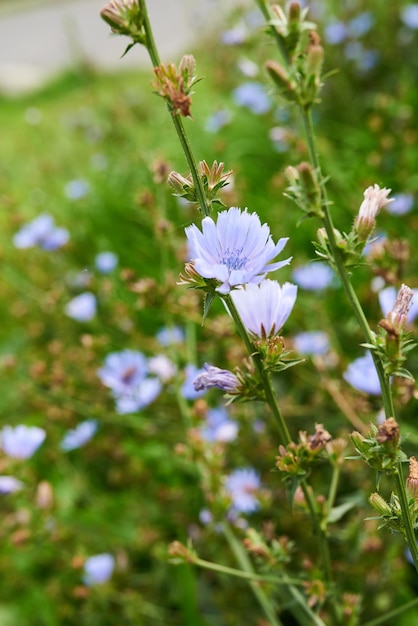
(374, 199)
(399, 314)
(282, 79)
(380, 505)
(216, 377)
(125, 18)
(412, 479)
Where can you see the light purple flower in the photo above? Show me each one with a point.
(409, 16)
(213, 377)
(79, 436)
(252, 96)
(41, 232)
(76, 189)
(360, 25)
(402, 204)
(247, 67)
(21, 442)
(98, 569)
(314, 276)
(362, 375)
(82, 308)
(235, 250)
(9, 484)
(170, 335)
(106, 262)
(125, 373)
(335, 32)
(188, 389)
(264, 308)
(234, 36)
(205, 517)
(162, 367)
(219, 427)
(242, 486)
(311, 342)
(218, 120)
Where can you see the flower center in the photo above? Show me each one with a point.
(129, 375)
(233, 259)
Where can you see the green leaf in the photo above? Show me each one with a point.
(337, 512)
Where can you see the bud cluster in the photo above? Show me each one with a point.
(213, 179)
(299, 80)
(125, 17)
(381, 449)
(175, 84)
(304, 189)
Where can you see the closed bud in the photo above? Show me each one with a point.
(412, 480)
(282, 79)
(380, 505)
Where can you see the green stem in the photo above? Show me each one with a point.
(333, 487)
(388, 617)
(178, 124)
(406, 518)
(230, 571)
(265, 10)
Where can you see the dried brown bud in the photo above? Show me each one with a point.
(388, 431)
(320, 438)
(412, 480)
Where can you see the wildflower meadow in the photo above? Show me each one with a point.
(210, 299)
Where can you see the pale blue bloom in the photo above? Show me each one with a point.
(76, 189)
(374, 243)
(264, 308)
(170, 335)
(311, 342)
(162, 367)
(409, 16)
(21, 442)
(235, 250)
(125, 373)
(188, 389)
(364, 59)
(335, 32)
(387, 299)
(79, 436)
(41, 232)
(234, 36)
(362, 375)
(248, 68)
(213, 377)
(219, 427)
(205, 517)
(242, 486)
(98, 569)
(106, 262)
(218, 120)
(314, 276)
(402, 204)
(82, 308)
(253, 96)
(360, 25)
(9, 484)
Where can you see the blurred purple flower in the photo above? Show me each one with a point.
(79, 436)
(402, 204)
(234, 36)
(82, 308)
(188, 389)
(361, 374)
(264, 308)
(125, 373)
(218, 120)
(253, 96)
(242, 486)
(162, 367)
(21, 442)
(98, 569)
(219, 427)
(235, 251)
(76, 189)
(9, 484)
(313, 276)
(248, 68)
(335, 32)
(106, 262)
(211, 377)
(41, 232)
(311, 342)
(409, 16)
(170, 335)
(360, 25)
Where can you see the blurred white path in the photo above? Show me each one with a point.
(40, 38)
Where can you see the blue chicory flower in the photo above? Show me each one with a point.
(360, 25)
(234, 36)
(78, 436)
(335, 32)
(211, 377)
(253, 96)
(41, 232)
(314, 342)
(162, 367)
(9, 484)
(242, 486)
(401, 205)
(409, 16)
(170, 335)
(106, 262)
(219, 427)
(235, 250)
(82, 308)
(76, 189)
(21, 442)
(362, 375)
(314, 276)
(218, 120)
(264, 308)
(98, 568)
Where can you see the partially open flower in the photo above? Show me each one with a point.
(374, 199)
